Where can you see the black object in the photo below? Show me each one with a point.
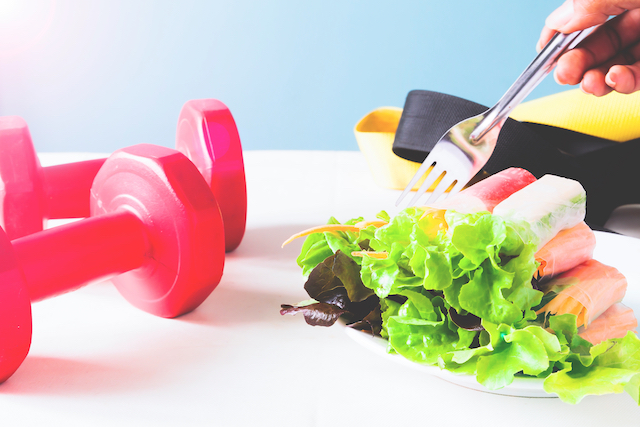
(608, 170)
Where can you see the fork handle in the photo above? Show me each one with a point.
(528, 80)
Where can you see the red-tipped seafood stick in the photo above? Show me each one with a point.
(486, 194)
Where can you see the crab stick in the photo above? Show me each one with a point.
(480, 197)
(615, 322)
(486, 194)
(569, 248)
(587, 291)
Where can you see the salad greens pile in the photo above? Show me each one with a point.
(461, 299)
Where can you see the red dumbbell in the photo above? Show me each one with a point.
(31, 194)
(155, 230)
(208, 135)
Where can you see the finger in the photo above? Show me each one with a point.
(613, 74)
(594, 83)
(624, 78)
(612, 37)
(572, 66)
(546, 35)
(599, 47)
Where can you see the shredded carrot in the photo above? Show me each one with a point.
(540, 271)
(371, 254)
(589, 290)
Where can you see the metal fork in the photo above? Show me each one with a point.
(465, 148)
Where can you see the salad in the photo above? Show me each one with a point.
(497, 281)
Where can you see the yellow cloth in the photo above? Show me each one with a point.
(614, 116)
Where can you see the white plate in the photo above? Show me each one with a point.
(618, 251)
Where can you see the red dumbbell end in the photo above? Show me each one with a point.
(183, 223)
(31, 194)
(208, 135)
(21, 205)
(15, 311)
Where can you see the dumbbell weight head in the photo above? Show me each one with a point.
(183, 224)
(155, 230)
(207, 134)
(20, 184)
(15, 311)
(31, 194)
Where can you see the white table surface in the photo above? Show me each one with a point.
(235, 361)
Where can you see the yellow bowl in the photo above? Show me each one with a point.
(375, 133)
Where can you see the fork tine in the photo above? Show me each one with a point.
(421, 171)
(443, 186)
(428, 182)
(459, 185)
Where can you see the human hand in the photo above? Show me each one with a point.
(609, 58)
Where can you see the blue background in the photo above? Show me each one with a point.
(97, 75)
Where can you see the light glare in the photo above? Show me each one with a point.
(23, 24)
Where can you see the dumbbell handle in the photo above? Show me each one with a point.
(67, 257)
(66, 188)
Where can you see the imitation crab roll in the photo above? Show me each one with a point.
(615, 322)
(587, 291)
(569, 248)
(481, 196)
(548, 205)
(486, 194)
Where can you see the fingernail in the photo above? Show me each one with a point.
(556, 78)
(584, 90)
(559, 17)
(610, 79)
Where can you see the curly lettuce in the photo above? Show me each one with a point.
(459, 297)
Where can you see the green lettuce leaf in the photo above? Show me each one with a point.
(613, 366)
(529, 350)
(493, 263)
(420, 330)
(319, 246)
(413, 258)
